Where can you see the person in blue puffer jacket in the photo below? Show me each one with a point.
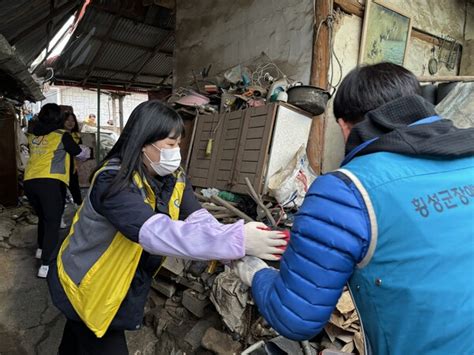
(395, 223)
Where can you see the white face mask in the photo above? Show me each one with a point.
(170, 159)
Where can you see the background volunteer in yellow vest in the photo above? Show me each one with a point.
(46, 177)
(71, 125)
(139, 208)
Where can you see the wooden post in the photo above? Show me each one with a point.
(319, 77)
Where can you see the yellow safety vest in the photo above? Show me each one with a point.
(97, 293)
(76, 136)
(48, 158)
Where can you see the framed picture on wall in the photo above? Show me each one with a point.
(385, 34)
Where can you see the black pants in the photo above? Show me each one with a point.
(75, 189)
(80, 340)
(47, 198)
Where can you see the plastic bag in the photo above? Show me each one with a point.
(290, 184)
(458, 105)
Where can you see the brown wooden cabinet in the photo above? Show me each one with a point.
(8, 166)
(242, 143)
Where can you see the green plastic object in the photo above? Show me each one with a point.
(229, 196)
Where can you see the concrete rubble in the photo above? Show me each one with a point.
(194, 307)
(214, 312)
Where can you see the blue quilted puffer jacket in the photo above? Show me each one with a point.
(398, 229)
(331, 234)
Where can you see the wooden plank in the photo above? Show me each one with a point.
(353, 7)
(249, 167)
(251, 155)
(241, 147)
(225, 165)
(421, 35)
(255, 132)
(197, 181)
(259, 111)
(224, 176)
(230, 143)
(198, 174)
(218, 139)
(232, 134)
(319, 77)
(464, 78)
(258, 121)
(227, 150)
(253, 144)
(233, 124)
(227, 154)
(231, 208)
(204, 163)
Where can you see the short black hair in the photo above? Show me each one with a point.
(367, 87)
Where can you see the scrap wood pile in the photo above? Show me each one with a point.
(228, 207)
(343, 332)
(197, 306)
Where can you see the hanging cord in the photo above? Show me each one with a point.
(260, 73)
(329, 21)
(330, 24)
(50, 77)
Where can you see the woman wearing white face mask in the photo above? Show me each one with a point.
(140, 207)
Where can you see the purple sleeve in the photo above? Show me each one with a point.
(198, 237)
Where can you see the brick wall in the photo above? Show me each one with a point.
(84, 102)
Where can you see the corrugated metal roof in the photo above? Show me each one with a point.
(130, 46)
(15, 79)
(24, 23)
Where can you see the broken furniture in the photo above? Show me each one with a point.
(8, 147)
(253, 143)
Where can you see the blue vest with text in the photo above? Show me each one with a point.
(415, 287)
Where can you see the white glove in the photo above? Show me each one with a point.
(247, 267)
(261, 242)
(84, 154)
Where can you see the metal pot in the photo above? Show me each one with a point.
(309, 98)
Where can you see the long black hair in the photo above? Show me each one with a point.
(367, 87)
(68, 114)
(50, 114)
(49, 120)
(149, 122)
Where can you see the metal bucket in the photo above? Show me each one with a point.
(309, 98)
